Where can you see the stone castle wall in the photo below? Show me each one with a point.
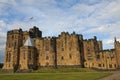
(66, 50)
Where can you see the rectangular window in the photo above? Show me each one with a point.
(98, 56)
(15, 44)
(88, 49)
(110, 65)
(62, 49)
(115, 65)
(62, 44)
(70, 56)
(47, 57)
(99, 65)
(62, 58)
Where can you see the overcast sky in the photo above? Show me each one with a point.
(99, 18)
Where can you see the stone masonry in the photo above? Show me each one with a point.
(28, 50)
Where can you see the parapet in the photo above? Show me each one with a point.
(15, 31)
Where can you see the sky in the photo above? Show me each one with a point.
(90, 18)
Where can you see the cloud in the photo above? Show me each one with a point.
(87, 17)
(2, 40)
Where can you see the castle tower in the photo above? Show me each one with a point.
(46, 52)
(117, 51)
(68, 50)
(28, 55)
(35, 32)
(14, 42)
(16, 39)
(91, 50)
(81, 49)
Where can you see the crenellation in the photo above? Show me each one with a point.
(28, 50)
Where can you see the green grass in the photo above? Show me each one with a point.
(54, 76)
(63, 70)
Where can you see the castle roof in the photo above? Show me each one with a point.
(29, 42)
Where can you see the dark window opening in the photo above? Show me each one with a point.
(15, 44)
(98, 56)
(47, 57)
(88, 49)
(8, 57)
(62, 44)
(62, 49)
(115, 65)
(99, 65)
(70, 56)
(110, 65)
(62, 58)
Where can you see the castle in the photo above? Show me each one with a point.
(28, 50)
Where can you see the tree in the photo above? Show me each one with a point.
(1, 65)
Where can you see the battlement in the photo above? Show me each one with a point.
(29, 50)
(15, 31)
(108, 50)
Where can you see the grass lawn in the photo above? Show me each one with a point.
(56, 74)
